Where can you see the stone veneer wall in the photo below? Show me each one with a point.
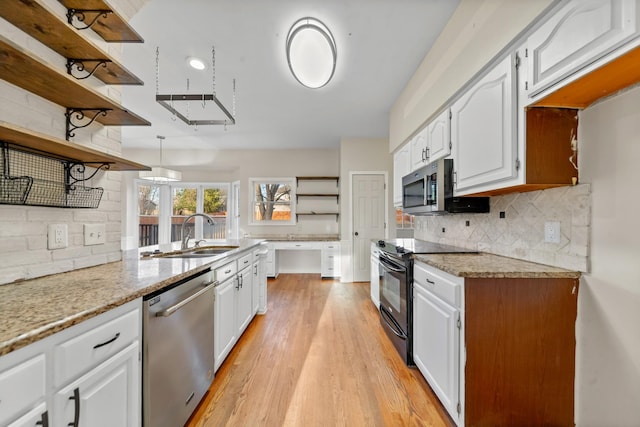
(521, 233)
(23, 229)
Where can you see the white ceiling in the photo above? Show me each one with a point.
(380, 44)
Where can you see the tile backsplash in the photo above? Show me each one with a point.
(520, 234)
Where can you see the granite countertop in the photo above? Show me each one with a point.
(489, 266)
(33, 309)
(299, 237)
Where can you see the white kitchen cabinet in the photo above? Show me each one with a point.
(38, 416)
(330, 260)
(21, 387)
(271, 263)
(433, 142)
(419, 150)
(375, 276)
(260, 282)
(233, 307)
(436, 336)
(439, 137)
(104, 397)
(578, 34)
(225, 332)
(401, 167)
(255, 287)
(244, 303)
(483, 130)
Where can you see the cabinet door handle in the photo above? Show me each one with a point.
(76, 416)
(427, 153)
(423, 158)
(44, 419)
(116, 336)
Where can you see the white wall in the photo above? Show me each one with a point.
(608, 335)
(361, 155)
(240, 165)
(23, 229)
(477, 31)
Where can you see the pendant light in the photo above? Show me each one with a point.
(160, 173)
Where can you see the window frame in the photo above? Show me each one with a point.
(291, 181)
(166, 207)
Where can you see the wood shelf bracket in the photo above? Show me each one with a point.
(81, 16)
(78, 114)
(80, 66)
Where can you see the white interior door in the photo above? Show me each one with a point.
(368, 194)
(234, 217)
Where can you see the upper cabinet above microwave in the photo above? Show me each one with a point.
(432, 143)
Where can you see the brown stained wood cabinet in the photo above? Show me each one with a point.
(519, 336)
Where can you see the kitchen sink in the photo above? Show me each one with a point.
(201, 252)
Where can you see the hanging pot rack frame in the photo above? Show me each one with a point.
(167, 100)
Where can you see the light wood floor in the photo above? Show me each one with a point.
(317, 358)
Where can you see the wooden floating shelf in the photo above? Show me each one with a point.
(40, 22)
(112, 28)
(317, 178)
(28, 72)
(57, 148)
(316, 195)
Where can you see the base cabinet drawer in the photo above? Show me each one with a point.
(79, 354)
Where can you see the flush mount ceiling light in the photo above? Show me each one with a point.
(200, 100)
(160, 173)
(196, 63)
(311, 53)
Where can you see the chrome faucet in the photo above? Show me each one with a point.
(185, 238)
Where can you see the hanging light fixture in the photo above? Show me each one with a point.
(311, 53)
(160, 173)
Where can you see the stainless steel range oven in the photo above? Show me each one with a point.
(396, 283)
(395, 302)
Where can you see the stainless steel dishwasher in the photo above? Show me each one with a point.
(177, 364)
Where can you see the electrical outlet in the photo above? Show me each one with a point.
(57, 236)
(94, 234)
(552, 232)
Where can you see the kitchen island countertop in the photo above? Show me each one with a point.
(489, 266)
(34, 309)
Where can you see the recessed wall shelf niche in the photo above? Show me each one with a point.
(320, 193)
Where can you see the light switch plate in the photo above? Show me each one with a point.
(57, 236)
(94, 234)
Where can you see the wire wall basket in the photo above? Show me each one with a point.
(32, 179)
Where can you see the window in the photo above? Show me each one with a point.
(148, 213)
(181, 200)
(271, 201)
(403, 220)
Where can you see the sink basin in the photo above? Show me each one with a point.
(201, 252)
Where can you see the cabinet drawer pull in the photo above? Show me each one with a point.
(76, 416)
(227, 271)
(431, 282)
(107, 342)
(44, 420)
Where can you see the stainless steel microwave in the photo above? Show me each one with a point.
(429, 191)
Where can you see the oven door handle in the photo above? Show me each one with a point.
(169, 311)
(391, 323)
(384, 260)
